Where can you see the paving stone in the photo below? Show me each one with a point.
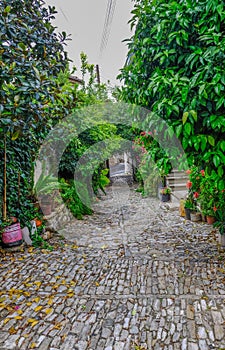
(191, 329)
(202, 333)
(69, 342)
(45, 344)
(190, 312)
(149, 291)
(81, 345)
(217, 317)
(202, 344)
(219, 332)
(184, 344)
(192, 346)
(119, 345)
(11, 342)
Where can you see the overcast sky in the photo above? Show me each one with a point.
(84, 20)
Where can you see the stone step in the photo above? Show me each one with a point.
(179, 194)
(177, 175)
(177, 180)
(176, 171)
(178, 187)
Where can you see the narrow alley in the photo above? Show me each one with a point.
(134, 276)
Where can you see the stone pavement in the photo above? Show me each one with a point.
(133, 276)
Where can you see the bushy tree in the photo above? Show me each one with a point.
(32, 55)
(175, 67)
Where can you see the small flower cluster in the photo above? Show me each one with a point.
(166, 190)
(203, 192)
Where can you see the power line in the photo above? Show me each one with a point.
(64, 14)
(108, 10)
(107, 15)
(111, 5)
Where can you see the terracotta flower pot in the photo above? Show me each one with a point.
(210, 219)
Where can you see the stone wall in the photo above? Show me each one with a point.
(59, 217)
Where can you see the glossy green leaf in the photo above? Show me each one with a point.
(188, 128)
(194, 115)
(216, 160)
(211, 140)
(185, 116)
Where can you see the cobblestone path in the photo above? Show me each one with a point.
(132, 276)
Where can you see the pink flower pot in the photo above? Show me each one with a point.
(12, 235)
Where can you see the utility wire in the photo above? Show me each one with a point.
(108, 23)
(66, 18)
(107, 16)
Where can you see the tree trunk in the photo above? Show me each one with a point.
(4, 183)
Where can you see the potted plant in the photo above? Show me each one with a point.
(44, 188)
(165, 193)
(207, 204)
(208, 197)
(190, 207)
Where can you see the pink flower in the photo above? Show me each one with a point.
(143, 133)
(196, 195)
(188, 172)
(150, 133)
(214, 208)
(17, 307)
(202, 172)
(189, 184)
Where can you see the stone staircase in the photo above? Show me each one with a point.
(177, 181)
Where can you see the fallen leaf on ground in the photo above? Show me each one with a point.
(33, 321)
(48, 311)
(18, 317)
(6, 320)
(38, 283)
(38, 308)
(57, 326)
(37, 299)
(12, 330)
